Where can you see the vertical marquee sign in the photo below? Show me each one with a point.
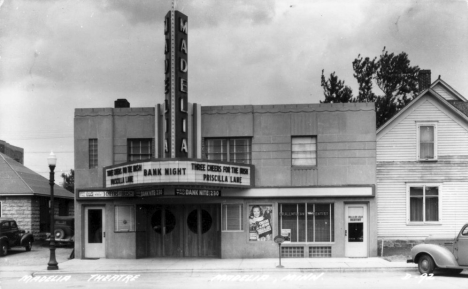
(176, 85)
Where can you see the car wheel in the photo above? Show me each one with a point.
(28, 246)
(59, 234)
(426, 264)
(3, 249)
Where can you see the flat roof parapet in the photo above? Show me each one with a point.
(288, 108)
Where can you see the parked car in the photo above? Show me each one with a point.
(446, 253)
(64, 230)
(12, 236)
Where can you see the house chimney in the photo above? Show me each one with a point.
(424, 79)
(120, 103)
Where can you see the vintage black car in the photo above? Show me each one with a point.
(64, 230)
(12, 236)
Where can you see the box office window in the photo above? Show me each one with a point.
(93, 153)
(232, 217)
(423, 203)
(125, 218)
(235, 150)
(304, 151)
(307, 222)
(139, 149)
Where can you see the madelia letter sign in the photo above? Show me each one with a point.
(176, 85)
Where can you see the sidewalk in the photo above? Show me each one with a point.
(175, 265)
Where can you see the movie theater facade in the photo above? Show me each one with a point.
(179, 179)
(306, 172)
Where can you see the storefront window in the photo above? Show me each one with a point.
(314, 226)
(125, 218)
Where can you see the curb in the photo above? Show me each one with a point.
(225, 271)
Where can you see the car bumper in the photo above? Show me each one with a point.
(61, 240)
(410, 261)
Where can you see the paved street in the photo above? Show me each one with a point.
(236, 280)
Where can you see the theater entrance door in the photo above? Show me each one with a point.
(184, 230)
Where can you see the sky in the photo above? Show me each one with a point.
(56, 56)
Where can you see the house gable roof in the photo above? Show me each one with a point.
(426, 93)
(18, 180)
(446, 91)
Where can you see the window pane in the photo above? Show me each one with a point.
(432, 209)
(426, 151)
(232, 150)
(426, 137)
(416, 192)
(427, 134)
(432, 204)
(301, 223)
(416, 209)
(288, 217)
(233, 217)
(322, 223)
(432, 191)
(239, 150)
(139, 149)
(125, 218)
(216, 149)
(310, 222)
(93, 153)
(303, 151)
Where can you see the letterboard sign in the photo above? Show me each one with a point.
(179, 172)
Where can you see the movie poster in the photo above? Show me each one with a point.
(260, 224)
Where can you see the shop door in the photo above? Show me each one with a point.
(166, 237)
(356, 239)
(95, 234)
(202, 234)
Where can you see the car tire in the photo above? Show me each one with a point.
(59, 234)
(28, 246)
(426, 264)
(3, 249)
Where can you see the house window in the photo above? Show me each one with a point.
(93, 153)
(304, 151)
(232, 217)
(63, 208)
(236, 150)
(423, 203)
(139, 149)
(307, 222)
(125, 218)
(427, 141)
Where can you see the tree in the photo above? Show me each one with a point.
(334, 90)
(69, 181)
(393, 74)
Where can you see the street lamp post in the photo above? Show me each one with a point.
(52, 265)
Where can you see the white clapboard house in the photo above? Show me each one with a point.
(422, 168)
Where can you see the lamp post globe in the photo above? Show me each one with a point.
(52, 161)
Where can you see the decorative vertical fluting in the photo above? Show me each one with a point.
(176, 87)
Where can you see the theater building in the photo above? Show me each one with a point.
(179, 179)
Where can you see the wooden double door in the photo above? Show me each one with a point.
(184, 230)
